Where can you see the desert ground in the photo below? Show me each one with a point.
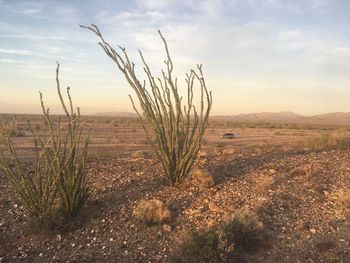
(298, 187)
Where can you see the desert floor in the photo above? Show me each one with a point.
(300, 195)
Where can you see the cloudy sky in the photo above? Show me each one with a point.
(257, 55)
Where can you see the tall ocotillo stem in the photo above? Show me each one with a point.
(174, 129)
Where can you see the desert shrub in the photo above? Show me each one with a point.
(201, 178)
(322, 142)
(141, 154)
(57, 175)
(267, 148)
(151, 212)
(16, 132)
(199, 247)
(327, 142)
(343, 143)
(36, 188)
(177, 127)
(244, 232)
(343, 198)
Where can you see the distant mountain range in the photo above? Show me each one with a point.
(335, 118)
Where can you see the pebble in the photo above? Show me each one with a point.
(214, 207)
(167, 228)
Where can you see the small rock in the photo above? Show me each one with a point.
(214, 207)
(313, 230)
(167, 228)
(272, 171)
(202, 154)
(41, 254)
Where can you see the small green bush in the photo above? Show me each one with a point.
(322, 142)
(245, 232)
(343, 143)
(199, 247)
(326, 142)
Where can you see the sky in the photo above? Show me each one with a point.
(257, 55)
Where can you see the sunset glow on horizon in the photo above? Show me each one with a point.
(257, 56)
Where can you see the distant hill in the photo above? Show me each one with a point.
(336, 118)
(333, 118)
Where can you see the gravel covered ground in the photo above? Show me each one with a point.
(299, 197)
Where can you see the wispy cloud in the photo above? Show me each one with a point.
(54, 38)
(248, 47)
(16, 51)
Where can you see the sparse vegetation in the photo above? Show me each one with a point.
(326, 142)
(56, 177)
(343, 198)
(244, 232)
(141, 154)
(152, 212)
(199, 247)
(322, 142)
(201, 178)
(178, 129)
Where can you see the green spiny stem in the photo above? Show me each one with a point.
(177, 129)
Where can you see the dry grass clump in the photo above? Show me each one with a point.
(201, 178)
(141, 154)
(244, 231)
(17, 132)
(322, 142)
(343, 197)
(343, 143)
(152, 212)
(326, 142)
(199, 247)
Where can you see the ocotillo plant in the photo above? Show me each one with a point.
(58, 164)
(72, 188)
(176, 127)
(36, 188)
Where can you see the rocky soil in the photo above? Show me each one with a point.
(301, 198)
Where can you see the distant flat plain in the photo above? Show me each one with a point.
(120, 136)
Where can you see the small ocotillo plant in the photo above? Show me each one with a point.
(73, 189)
(177, 129)
(57, 175)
